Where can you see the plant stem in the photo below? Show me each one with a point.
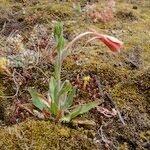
(59, 113)
(59, 69)
(77, 38)
(59, 73)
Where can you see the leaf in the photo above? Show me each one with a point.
(80, 110)
(69, 100)
(58, 30)
(38, 101)
(58, 35)
(56, 69)
(61, 43)
(53, 108)
(53, 94)
(52, 88)
(66, 87)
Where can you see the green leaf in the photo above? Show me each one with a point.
(37, 100)
(69, 100)
(53, 108)
(58, 30)
(80, 110)
(58, 35)
(52, 88)
(56, 69)
(66, 87)
(61, 43)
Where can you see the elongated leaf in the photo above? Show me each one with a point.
(69, 100)
(37, 100)
(66, 87)
(58, 30)
(61, 43)
(56, 69)
(80, 110)
(52, 88)
(53, 108)
(53, 92)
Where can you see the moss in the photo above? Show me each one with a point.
(112, 75)
(129, 15)
(125, 94)
(132, 100)
(44, 13)
(109, 73)
(43, 135)
(135, 90)
(123, 146)
(145, 136)
(3, 103)
(142, 80)
(132, 96)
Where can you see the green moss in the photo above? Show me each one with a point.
(135, 91)
(145, 136)
(142, 80)
(46, 12)
(112, 75)
(127, 15)
(43, 135)
(106, 72)
(132, 98)
(125, 94)
(123, 146)
(3, 103)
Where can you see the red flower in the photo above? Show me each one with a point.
(113, 43)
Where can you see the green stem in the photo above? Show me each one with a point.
(59, 70)
(59, 74)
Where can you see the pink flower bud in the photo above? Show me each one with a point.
(113, 43)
